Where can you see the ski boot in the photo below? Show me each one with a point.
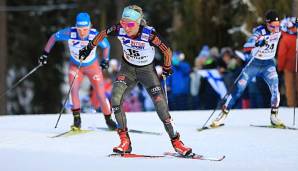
(180, 147)
(275, 121)
(76, 120)
(125, 144)
(220, 118)
(110, 123)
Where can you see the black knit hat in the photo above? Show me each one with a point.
(270, 16)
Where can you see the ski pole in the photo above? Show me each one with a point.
(220, 102)
(67, 96)
(165, 87)
(19, 81)
(233, 86)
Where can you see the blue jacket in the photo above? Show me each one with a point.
(179, 81)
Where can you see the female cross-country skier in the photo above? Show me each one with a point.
(138, 41)
(77, 38)
(263, 46)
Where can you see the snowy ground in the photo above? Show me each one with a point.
(25, 144)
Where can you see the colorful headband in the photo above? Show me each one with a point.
(131, 14)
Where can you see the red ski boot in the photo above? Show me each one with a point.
(125, 144)
(180, 147)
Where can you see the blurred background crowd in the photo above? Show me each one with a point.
(206, 37)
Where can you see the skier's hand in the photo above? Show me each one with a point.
(84, 53)
(167, 71)
(43, 59)
(104, 64)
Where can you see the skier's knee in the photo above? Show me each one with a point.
(117, 94)
(166, 119)
(156, 93)
(116, 99)
(116, 109)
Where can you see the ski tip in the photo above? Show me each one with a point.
(195, 156)
(71, 133)
(209, 127)
(202, 129)
(217, 126)
(223, 157)
(132, 155)
(276, 127)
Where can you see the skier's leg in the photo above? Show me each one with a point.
(76, 108)
(153, 87)
(95, 76)
(121, 87)
(240, 86)
(271, 78)
(245, 76)
(161, 107)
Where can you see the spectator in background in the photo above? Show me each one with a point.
(195, 82)
(131, 102)
(195, 77)
(287, 58)
(214, 54)
(212, 87)
(203, 55)
(227, 64)
(179, 83)
(113, 69)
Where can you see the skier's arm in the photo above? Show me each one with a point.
(105, 46)
(167, 52)
(110, 31)
(61, 35)
(253, 39)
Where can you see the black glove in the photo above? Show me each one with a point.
(260, 43)
(104, 64)
(43, 59)
(167, 71)
(84, 53)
